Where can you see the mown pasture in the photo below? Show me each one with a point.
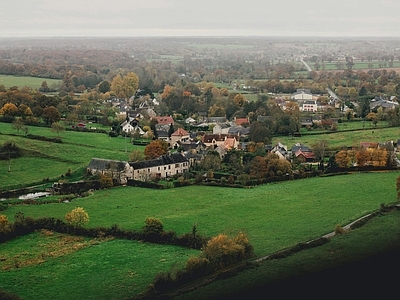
(31, 82)
(273, 216)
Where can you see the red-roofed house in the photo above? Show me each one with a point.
(231, 143)
(166, 120)
(180, 135)
(242, 121)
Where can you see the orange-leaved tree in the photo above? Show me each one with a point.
(155, 149)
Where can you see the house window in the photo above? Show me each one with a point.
(165, 168)
(158, 168)
(148, 170)
(176, 165)
(169, 167)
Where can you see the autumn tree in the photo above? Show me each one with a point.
(77, 217)
(51, 115)
(24, 111)
(363, 156)
(239, 100)
(216, 111)
(258, 168)
(155, 149)
(9, 110)
(125, 86)
(342, 159)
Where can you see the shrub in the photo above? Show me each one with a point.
(223, 251)
(339, 229)
(5, 225)
(105, 181)
(197, 266)
(77, 217)
(153, 226)
(9, 150)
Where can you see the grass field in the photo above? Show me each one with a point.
(273, 216)
(344, 138)
(49, 160)
(31, 82)
(358, 65)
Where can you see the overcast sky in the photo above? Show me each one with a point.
(34, 18)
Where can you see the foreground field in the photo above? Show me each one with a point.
(273, 216)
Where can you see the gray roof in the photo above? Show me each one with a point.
(162, 160)
(106, 164)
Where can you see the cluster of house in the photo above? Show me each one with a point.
(193, 146)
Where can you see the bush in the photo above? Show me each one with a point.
(9, 150)
(5, 225)
(339, 229)
(77, 217)
(223, 251)
(153, 226)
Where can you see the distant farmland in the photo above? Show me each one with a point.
(31, 82)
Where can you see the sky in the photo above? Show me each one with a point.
(133, 18)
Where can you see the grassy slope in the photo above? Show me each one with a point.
(45, 159)
(358, 264)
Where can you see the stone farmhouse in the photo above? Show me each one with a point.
(118, 170)
(121, 171)
(162, 167)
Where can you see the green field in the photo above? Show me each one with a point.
(50, 160)
(332, 66)
(343, 138)
(31, 82)
(273, 216)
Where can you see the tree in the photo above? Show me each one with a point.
(239, 100)
(258, 168)
(342, 159)
(319, 149)
(57, 128)
(9, 110)
(362, 156)
(211, 161)
(104, 86)
(17, 124)
(155, 149)
(51, 115)
(125, 86)
(259, 133)
(136, 155)
(77, 217)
